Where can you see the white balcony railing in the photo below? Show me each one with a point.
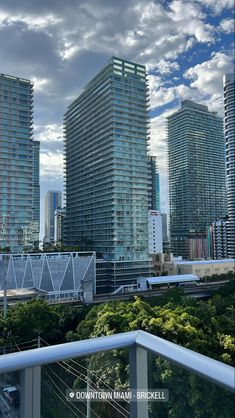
(139, 343)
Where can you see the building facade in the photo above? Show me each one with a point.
(229, 128)
(217, 236)
(106, 166)
(166, 264)
(19, 166)
(155, 232)
(59, 225)
(53, 200)
(154, 184)
(196, 177)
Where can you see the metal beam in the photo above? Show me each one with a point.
(138, 359)
(216, 372)
(30, 394)
(211, 369)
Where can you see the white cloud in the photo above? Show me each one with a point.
(49, 133)
(227, 25)
(162, 66)
(207, 78)
(33, 22)
(40, 83)
(51, 165)
(217, 6)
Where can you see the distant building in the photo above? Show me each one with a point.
(19, 166)
(166, 264)
(53, 200)
(59, 223)
(229, 127)
(196, 177)
(154, 184)
(155, 232)
(217, 237)
(165, 235)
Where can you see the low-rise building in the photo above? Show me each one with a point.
(166, 264)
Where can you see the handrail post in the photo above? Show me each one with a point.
(138, 361)
(30, 396)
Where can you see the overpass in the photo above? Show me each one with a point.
(202, 290)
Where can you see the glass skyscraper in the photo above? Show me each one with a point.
(53, 201)
(106, 166)
(196, 153)
(19, 166)
(229, 127)
(154, 184)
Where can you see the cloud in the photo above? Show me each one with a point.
(51, 165)
(207, 78)
(40, 83)
(227, 25)
(49, 133)
(217, 6)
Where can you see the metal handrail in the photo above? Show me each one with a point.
(213, 370)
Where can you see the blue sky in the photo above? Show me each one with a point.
(60, 45)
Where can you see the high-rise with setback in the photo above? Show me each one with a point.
(106, 166)
(19, 166)
(196, 153)
(229, 127)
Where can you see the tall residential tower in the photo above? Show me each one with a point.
(106, 132)
(196, 177)
(229, 127)
(19, 166)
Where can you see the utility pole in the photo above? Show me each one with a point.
(5, 269)
(88, 405)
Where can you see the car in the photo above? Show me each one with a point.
(12, 394)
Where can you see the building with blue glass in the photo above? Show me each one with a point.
(53, 201)
(19, 166)
(229, 128)
(154, 184)
(196, 154)
(106, 166)
(107, 173)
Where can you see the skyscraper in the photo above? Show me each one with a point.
(53, 200)
(229, 127)
(19, 166)
(154, 186)
(106, 132)
(196, 177)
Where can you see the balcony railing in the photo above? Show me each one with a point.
(139, 344)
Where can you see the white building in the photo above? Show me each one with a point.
(155, 232)
(167, 264)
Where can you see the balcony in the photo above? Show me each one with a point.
(29, 366)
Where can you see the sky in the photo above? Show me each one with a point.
(60, 45)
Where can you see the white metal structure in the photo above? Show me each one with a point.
(54, 273)
(145, 283)
(139, 343)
